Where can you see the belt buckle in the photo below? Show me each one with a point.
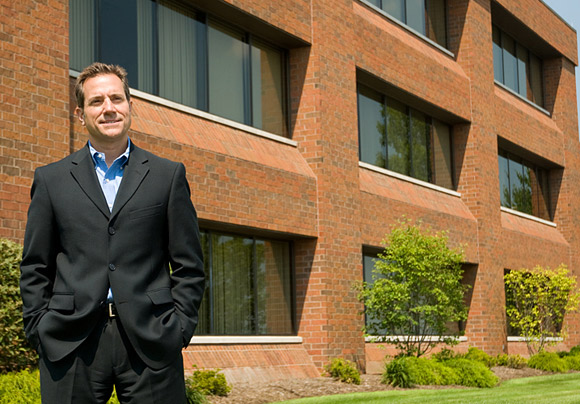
(112, 310)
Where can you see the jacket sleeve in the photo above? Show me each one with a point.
(185, 254)
(38, 266)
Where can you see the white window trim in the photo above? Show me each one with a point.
(526, 216)
(406, 178)
(393, 338)
(250, 339)
(524, 339)
(408, 28)
(521, 97)
(205, 115)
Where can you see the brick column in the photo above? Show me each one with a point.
(34, 100)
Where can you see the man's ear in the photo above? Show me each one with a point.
(81, 115)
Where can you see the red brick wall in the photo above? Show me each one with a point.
(315, 193)
(33, 100)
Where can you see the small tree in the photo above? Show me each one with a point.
(417, 290)
(15, 353)
(537, 301)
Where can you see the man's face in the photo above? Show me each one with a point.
(107, 112)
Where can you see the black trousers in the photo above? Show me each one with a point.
(104, 360)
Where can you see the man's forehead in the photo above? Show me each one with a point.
(103, 84)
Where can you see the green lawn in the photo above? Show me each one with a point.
(556, 389)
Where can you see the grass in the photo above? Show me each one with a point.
(555, 389)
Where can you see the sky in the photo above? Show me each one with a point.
(569, 10)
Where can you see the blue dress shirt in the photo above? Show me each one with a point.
(110, 178)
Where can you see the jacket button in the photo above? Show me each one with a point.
(112, 230)
(112, 267)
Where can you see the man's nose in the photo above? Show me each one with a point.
(108, 105)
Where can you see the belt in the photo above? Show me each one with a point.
(112, 310)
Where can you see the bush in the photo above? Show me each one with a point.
(431, 372)
(406, 372)
(20, 387)
(444, 355)
(573, 362)
(478, 355)
(575, 351)
(417, 290)
(195, 396)
(548, 361)
(472, 373)
(511, 361)
(343, 370)
(537, 302)
(15, 353)
(397, 373)
(208, 382)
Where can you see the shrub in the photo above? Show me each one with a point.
(343, 370)
(478, 355)
(20, 387)
(195, 397)
(417, 290)
(537, 302)
(208, 382)
(406, 372)
(15, 353)
(397, 373)
(573, 362)
(548, 361)
(575, 350)
(444, 355)
(472, 373)
(511, 361)
(24, 387)
(431, 372)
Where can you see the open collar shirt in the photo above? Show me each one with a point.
(110, 178)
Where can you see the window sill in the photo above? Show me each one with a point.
(389, 338)
(526, 216)
(509, 90)
(407, 28)
(250, 339)
(408, 179)
(524, 339)
(205, 115)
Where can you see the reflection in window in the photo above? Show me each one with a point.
(523, 186)
(516, 67)
(369, 276)
(248, 289)
(399, 138)
(425, 16)
(172, 50)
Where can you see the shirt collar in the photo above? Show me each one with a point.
(97, 156)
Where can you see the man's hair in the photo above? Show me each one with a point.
(97, 69)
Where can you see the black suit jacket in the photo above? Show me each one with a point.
(147, 250)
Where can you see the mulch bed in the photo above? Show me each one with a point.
(282, 390)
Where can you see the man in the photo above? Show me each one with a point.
(112, 272)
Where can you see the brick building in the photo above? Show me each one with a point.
(307, 128)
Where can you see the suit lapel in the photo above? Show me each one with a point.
(83, 171)
(136, 170)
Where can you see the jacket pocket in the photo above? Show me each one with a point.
(160, 296)
(145, 212)
(64, 302)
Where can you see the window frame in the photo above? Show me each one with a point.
(209, 289)
(430, 146)
(543, 186)
(372, 254)
(378, 5)
(531, 73)
(202, 103)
